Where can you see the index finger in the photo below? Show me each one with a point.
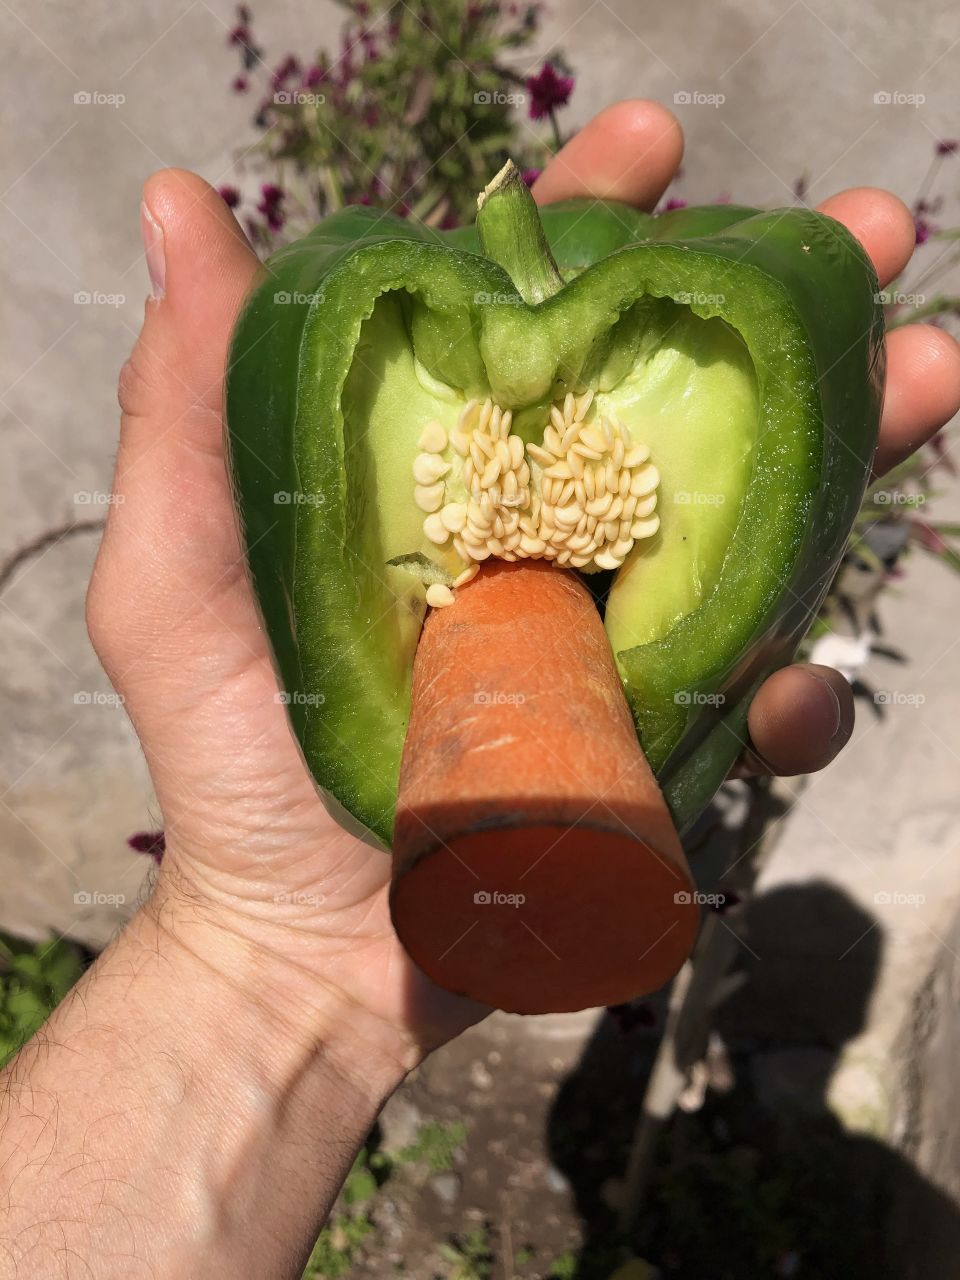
(628, 152)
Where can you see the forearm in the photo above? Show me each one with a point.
(178, 1118)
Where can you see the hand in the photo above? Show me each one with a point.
(253, 860)
(802, 715)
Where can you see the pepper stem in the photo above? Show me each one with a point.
(511, 233)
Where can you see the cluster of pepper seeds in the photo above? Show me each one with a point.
(582, 498)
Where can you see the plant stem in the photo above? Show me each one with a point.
(511, 234)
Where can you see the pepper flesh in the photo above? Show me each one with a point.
(371, 327)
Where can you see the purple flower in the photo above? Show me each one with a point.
(153, 843)
(290, 66)
(230, 196)
(674, 203)
(240, 34)
(315, 75)
(548, 90)
(271, 205)
(948, 146)
(924, 229)
(531, 175)
(240, 84)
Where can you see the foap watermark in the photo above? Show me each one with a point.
(497, 300)
(94, 98)
(98, 498)
(497, 98)
(94, 298)
(897, 298)
(697, 498)
(297, 298)
(696, 98)
(296, 498)
(498, 698)
(295, 98)
(96, 898)
(694, 698)
(298, 698)
(688, 299)
(299, 898)
(494, 898)
(896, 898)
(684, 898)
(897, 98)
(897, 498)
(897, 698)
(97, 698)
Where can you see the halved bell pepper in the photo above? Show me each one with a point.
(734, 355)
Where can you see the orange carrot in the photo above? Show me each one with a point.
(536, 866)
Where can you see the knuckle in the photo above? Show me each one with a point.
(139, 382)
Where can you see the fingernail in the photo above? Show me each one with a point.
(152, 233)
(835, 707)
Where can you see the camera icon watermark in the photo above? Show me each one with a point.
(294, 98)
(497, 98)
(694, 698)
(97, 698)
(94, 898)
(897, 498)
(494, 898)
(897, 698)
(299, 898)
(497, 300)
(894, 898)
(687, 299)
(897, 98)
(87, 98)
(297, 298)
(694, 98)
(897, 298)
(88, 298)
(697, 498)
(296, 498)
(298, 698)
(684, 898)
(498, 698)
(97, 498)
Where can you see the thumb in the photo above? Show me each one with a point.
(201, 268)
(170, 552)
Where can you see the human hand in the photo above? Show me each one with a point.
(255, 866)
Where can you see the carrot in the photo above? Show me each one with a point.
(536, 867)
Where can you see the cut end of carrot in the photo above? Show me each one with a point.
(546, 918)
(536, 865)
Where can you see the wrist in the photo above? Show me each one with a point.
(296, 1008)
(191, 1116)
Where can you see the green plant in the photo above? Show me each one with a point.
(435, 1145)
(412, 114)
(34, 978)
(470, 1255)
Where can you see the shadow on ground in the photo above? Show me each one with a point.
(761, 1180)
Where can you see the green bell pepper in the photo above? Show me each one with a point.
(743, 349)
